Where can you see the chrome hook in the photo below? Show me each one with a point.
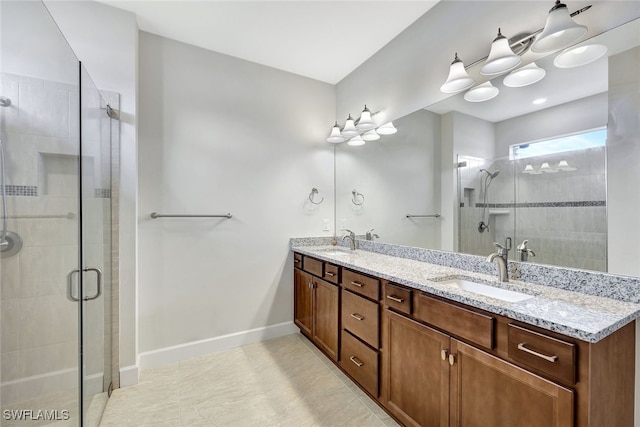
(314, 191)
(355, 200)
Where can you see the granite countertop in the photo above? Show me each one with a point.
(578, 315)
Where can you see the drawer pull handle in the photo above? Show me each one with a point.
(443, 354)
(551, 359)
(452, 359)
(296, 260)
(356, 361)
(396, 299)
(330, 274)
(357, 316)
(310, 285)
(357, 284)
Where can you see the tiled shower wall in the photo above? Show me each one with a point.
(562, 215)
(39, 348)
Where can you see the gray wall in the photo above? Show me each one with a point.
(218, 135)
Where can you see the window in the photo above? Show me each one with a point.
(578, 141)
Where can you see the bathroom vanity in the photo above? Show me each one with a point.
(433, 353)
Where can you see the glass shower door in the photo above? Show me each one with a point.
(40, 140)
(95, 169)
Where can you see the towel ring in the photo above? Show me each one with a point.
(312, 195)
(355, 200)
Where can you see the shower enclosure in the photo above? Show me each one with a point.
(549, 207)
(56, 250)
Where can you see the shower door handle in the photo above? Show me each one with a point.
(70, 275)
(70, 295)
(99, 283)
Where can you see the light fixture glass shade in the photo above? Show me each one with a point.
(365, 122)
(581, 55)
(356, 141)
(387, 129)
(335, 137)
(501, 58)
(349, 130)
(524, 76)
(547, 169)
(528, 169)
(564, 166)
(458, 79)
(371, 135)
(559, 32)
(481, 93)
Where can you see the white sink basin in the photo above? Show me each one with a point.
(486, 290)
(335, 252)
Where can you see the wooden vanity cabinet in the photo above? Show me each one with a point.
(433, 362)
(317, 305)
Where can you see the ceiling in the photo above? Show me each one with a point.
(322, 40)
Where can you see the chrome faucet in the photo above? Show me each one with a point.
(502, 260)
(524, 251)
(370, 236)
(352, 239)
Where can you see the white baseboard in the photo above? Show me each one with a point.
(129, 375)
(28, 388)
(167, 355)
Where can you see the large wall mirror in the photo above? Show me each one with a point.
(527, 168)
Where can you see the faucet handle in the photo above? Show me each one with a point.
(501, 249)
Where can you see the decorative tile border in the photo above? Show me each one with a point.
(21, 190)
(578, 204)
(103, 193)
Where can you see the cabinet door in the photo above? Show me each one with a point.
(416, 376)
(326, 308)
(303, 301)
(487, 391)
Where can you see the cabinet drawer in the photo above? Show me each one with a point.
(312, 265)
(361, 317)
(331, 273)
(360, 362)
(543, 353)
(297, 260)
(361, 284)
(397, 298)
(466, 324)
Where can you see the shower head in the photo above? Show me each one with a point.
(4, 101)
(491, 174)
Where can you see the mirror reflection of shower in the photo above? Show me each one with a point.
(10, 242)
(486, 180)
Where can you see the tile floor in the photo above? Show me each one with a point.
(281, 382)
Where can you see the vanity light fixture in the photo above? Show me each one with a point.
(481, 93)
(356, 141)
(559, 31)
(501, 58)
(458, 79)
(335, 137)
(525, 76)
(387, 129)
(349, 130)
(371, 135)
(580, 55)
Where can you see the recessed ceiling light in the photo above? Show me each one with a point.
(539, 101)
